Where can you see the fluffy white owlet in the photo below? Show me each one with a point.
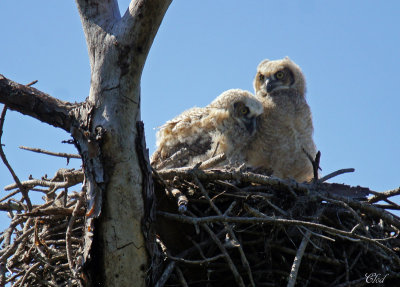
(285, 128)
(227, 125)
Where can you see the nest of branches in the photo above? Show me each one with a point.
(235, 228)
(43, 243)
(215, 227)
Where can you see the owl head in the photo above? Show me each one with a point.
(278, 75)
(240, 106)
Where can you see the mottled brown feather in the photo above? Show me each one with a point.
(208, 131)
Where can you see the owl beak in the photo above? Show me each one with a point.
(270, 85)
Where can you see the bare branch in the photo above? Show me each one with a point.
(336, 173)
(138, 27)
(235, 272)
(231, 233)
(68, 235)
(196, 262)
(384, 195)
(53, 211)
(35, 182)
(185, 172)
(98, 13)
(141, 21)
(297, 259)
(3, 157)
(213, 161)
(181, 277)
(59, 154)
(32, 102)
(31, 83)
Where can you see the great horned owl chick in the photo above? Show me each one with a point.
(285, 129)
(227, 125)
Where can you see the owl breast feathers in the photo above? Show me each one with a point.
(285, 129)
(227, 125)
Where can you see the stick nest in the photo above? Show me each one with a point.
(243, 229)
(215, 227)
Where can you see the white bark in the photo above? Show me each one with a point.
(118, 48)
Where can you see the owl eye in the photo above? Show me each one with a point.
(279, 75)
(261, 77)
(244, 110)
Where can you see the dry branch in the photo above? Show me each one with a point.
(59, 154)
(32, 102)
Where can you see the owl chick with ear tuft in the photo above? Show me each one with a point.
(226, 125)
(285, 129)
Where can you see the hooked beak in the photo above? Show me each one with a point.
(270, 85)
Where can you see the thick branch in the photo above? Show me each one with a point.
(98, 12)
(32, 102)
(139, 26)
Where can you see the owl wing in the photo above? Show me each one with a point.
(191, 131)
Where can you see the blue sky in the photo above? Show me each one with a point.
(349, 52)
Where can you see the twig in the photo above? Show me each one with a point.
(3, 157)
(53, 211)
(32, 268)
(59, 154)
(336, 173)
(346, 206)
(302, 248)
(346, 264)
(180, 198)
(297, 260)
(388, 206)
(228, 259)
(181, 277)
(314, 162)
(9, 195)
(9, 206)
(196, 262)
(32, 83)
(182, 153)
(167, 272)
(188, 173)
(17, 244)
(68, 235)
(323, 259)
(213, 161)
(245, 262)
(370, 209)
(171, 266)
(385, 199)
(384, 195)
(37, 182)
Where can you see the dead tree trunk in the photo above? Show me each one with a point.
(104, 130)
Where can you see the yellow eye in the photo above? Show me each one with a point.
(261, 77)
(244, 110)
(279, 75)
